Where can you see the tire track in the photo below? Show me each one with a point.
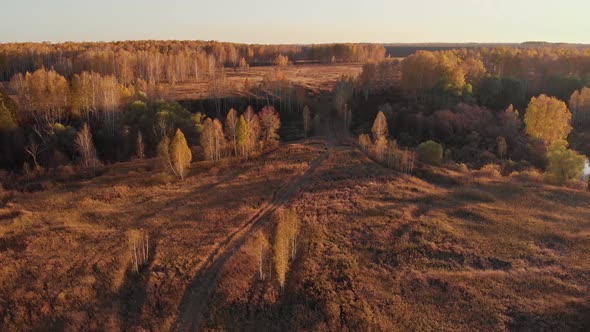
(196, 300)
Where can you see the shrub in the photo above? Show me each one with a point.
(492, 170)
(531, 175)
(564, 164)
(430, 152)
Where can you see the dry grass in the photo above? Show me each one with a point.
(447, 249)
(386, 251)
(64, 254)
(313, 77)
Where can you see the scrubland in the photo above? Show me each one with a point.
(317, 78)
(443, 249)
(64, 251)
(447, 249)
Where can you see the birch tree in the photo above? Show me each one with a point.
(261, 246)
(231, 126)
(180, 154)
(85, 146)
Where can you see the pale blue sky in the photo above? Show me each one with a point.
(297, 21)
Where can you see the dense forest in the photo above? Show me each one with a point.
(474, 101)
(170, 61)
(512, 106)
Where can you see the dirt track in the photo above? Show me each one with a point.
(196, 300)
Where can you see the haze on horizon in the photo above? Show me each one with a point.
(303, 21)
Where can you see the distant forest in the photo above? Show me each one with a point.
(468, 97)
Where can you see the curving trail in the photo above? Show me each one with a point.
(195, 302)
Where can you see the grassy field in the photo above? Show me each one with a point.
(443, 249)
(65, 256)
(315, 78)
(446, 250)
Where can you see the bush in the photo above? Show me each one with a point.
(430, 152)
(511, 166)
(564, 164)
(531, 175)
(492, 170)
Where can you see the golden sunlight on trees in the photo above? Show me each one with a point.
(242, 137)
(285, 243)
(365, 142)
(383, 151)
(261, 246)
(270, 123)
(139, 248)
(564, 164)
(180, 154)
(292, 223)
(547, 119)
(451, 70)
(419, 74)
(231, 127)
(252, 130)
(580, 106)
(212, 139)
(474, 69)
(43, 94)
(380, 149)
(281, 60)
(380, 129)
(175, 155)
(85, 146)
(281, 248)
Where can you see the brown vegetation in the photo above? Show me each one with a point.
(388, 251)
(65, 251)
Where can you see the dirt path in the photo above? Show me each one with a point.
(195, 302)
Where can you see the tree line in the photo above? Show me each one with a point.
(169, 61)
(100, 119)
(492, 77)
(545, 127)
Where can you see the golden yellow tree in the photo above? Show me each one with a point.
(180, 154)
(380, 129)
(261, 246)
(85, 146)
(419, 73)
(231, 127)
(270, 122)
(380, 149)
(281, 247)
(547, 119)
(242, 137)
(292, 228)
(365, 142)
(212, 139)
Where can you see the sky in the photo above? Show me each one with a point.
(297, 21)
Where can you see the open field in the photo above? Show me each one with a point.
(65, 257)
(317, 78)
(443, 251)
